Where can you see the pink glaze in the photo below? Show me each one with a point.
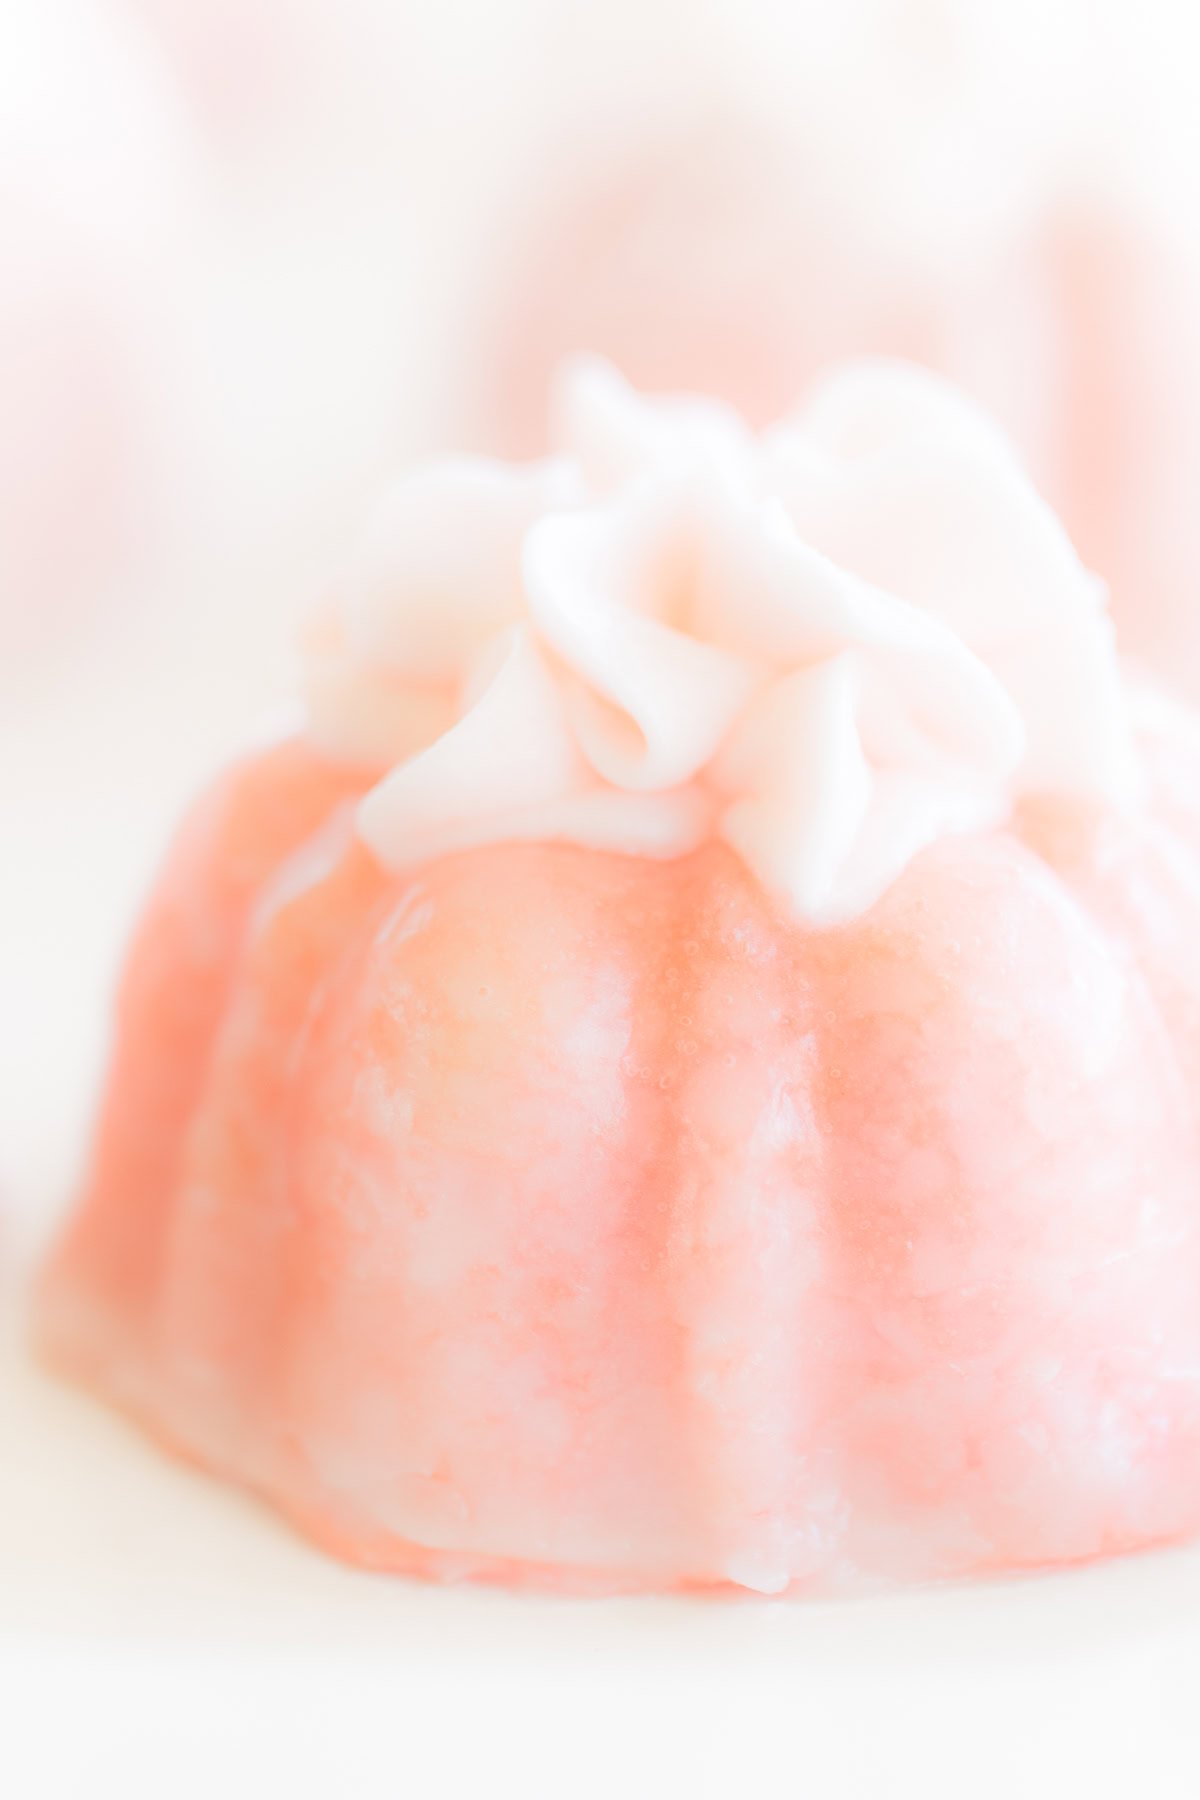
(552, 1216)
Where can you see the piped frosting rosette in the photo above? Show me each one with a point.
(828, 646)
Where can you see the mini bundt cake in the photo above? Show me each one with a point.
(686, 1072)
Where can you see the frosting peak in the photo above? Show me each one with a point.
(828, 646)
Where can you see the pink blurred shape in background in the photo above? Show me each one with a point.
(92, 167)
(933, 197)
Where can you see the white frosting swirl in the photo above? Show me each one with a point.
(827, 646)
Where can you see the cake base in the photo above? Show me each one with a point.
(160, 1632)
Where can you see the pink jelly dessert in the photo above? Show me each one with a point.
(687, 1072)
